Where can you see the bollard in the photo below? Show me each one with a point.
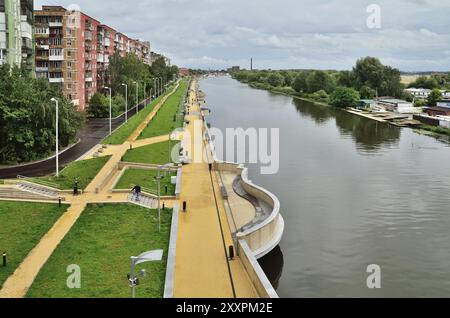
(184, 206)
(131, 147)
(231, 252)
(165, 188)
(59, 202)
(210, 166)
(164, 206)
(4, 259)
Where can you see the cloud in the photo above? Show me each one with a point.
(327, 34)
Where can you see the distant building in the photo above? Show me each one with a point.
(184, 71)
(234, 69)
(443, 103)
(154, 56)
(16, 33)
(421, 93)
(397, 105)
(366, 104)
(437, 111)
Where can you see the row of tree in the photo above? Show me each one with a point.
(27, 117)
(439, 81)
(128, 70)
(368, 78)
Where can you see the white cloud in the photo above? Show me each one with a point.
(414, 34)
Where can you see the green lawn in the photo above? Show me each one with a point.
(83, 171)
(152, 154)
(146, 178)
(22, 225)
(101, 243)
(163, 123)
(120, 135)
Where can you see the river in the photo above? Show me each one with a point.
(353, 192)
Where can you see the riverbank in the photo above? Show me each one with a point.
(432, 131)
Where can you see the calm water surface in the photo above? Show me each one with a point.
(353, 192)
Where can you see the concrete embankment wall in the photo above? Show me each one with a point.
(265, 236)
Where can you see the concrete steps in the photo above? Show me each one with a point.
(262, 210)
(38, 190)
(144, 201)
(18, 194)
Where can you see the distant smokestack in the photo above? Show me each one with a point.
(251, 64)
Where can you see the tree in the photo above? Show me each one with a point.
(434, 97)
(275, 79)
(344, 97)
(318, 80)
(98, 106)
(299, 84)
(27, 117)
(346, 78)
(367, 93)
(287, 78)
(370, 72)
(425, 82)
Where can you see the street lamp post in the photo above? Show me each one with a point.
(150, 256)
(161, 89)
(126, 101)
(137, 96)
(110, 110)
(158, 179)
(57, 135)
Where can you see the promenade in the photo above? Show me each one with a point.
(201, 265)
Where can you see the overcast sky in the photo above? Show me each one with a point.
(324, 34)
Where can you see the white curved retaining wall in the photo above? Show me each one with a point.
(265, 236)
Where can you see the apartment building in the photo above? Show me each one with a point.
(73, 51)
(16, 33)
(154, 56)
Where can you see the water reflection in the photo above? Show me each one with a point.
(272, 264)
(370, 136)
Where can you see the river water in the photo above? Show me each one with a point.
(353, 192)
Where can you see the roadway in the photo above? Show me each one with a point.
(93, 132)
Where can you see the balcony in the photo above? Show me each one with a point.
(56, 57)
(56, 80)
(88, 79)
(55, 24)
(42, 35)
(107, 42)
(43, 46)
(42, 58)
(41, 69)
(100, 58)
(88, 36)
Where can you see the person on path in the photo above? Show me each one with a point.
(137, 190)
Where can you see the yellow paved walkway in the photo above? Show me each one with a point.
(201, 266)
(17, 285)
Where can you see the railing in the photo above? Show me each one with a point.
(39, 182)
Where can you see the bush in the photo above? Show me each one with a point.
(344, 97)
